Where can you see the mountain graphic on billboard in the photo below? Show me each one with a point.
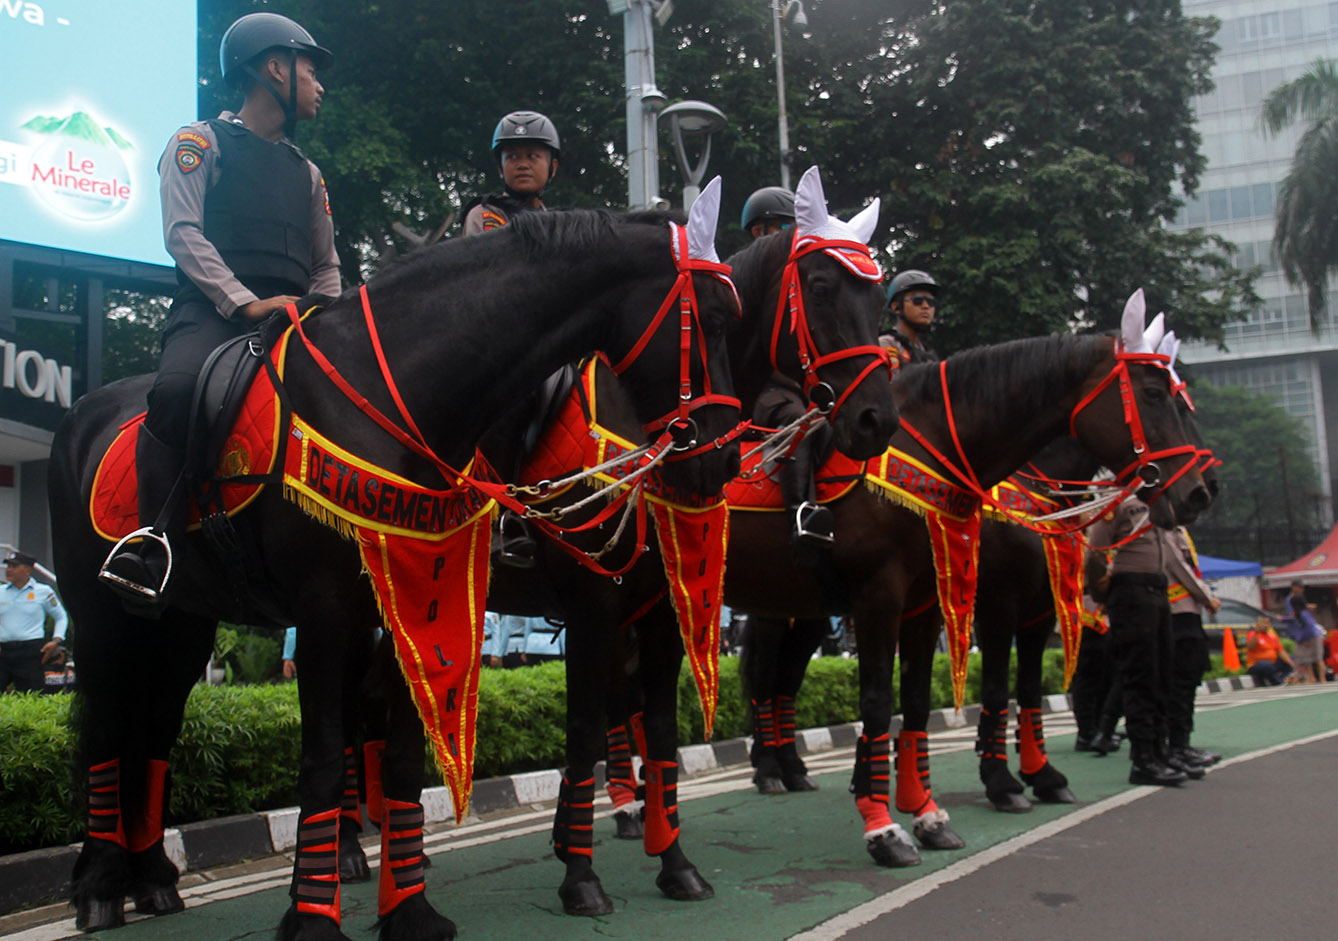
(78, 125)
(78, 170)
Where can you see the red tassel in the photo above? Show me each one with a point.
(401, 855)
(146, 828)
(661, 805)
(914, 795)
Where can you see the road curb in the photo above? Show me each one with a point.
(42, 876)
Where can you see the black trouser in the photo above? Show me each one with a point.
(194, 329)
(1091, 680)
(1140, 630)
(1189, 663)
(21, 662)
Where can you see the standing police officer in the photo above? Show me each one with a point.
(912, 297)
(247, 220)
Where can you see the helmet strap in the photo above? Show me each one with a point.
(290, 106)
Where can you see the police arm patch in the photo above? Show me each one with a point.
(191, 146)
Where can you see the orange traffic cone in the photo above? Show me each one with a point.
(1230, 656)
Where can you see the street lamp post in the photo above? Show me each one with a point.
(692, 119)
(781, 9)
(643, 99)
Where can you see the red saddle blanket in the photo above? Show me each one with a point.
(757, 489)
(250, 449)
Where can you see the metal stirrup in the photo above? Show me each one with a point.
(111, 578)
(804, 511)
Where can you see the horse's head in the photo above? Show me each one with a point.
(1127, 416)
(811, 309)
(672, 353)
(1170, 346)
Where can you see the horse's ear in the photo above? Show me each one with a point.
(810, 203)
(1170, 348)
(1131, 324)
(865, 221)
(1152, 336)
(702, 220)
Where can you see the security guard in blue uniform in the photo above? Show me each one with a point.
(247, 220)
(24, 607)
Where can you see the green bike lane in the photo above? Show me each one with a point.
(779, 865)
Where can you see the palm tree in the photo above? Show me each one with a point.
(1306, 235)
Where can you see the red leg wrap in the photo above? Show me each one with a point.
(914, 795)
(661, 805)
(992, 735)
(401, 855)
(348, 803)
(146, 828)
(639, 736)
(618, 768)
(764, 723)
(316, 888)
(574, 822)
(870, 782)
(784, 712)
(1030, 740)
(104, 802)
(371, 773)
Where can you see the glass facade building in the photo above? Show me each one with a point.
(1273, 351)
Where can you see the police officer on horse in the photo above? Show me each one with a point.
(247, 220)
(912, 297)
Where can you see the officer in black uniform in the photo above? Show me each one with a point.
(247, 220)
(527, 148)
(912, 297)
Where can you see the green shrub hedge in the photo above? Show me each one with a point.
(239, 746)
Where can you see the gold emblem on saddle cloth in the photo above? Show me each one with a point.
(235, 459)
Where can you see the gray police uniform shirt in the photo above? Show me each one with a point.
(186, 170)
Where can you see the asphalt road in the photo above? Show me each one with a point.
(1249, 849)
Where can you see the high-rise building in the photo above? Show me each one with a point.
(1273, 352)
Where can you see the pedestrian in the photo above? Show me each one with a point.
(1306, 634)
(289, 655)
(1265, 658)
(25, 604)
(247, 220)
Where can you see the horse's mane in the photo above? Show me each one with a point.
(1021, 371)
(753, 264)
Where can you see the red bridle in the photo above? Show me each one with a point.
(678, 423)
(856, 258)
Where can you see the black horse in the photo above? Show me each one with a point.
(462, 325)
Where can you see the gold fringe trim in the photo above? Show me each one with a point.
(892, 495)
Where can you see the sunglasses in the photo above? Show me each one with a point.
(919, 299)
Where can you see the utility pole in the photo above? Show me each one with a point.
(644, 99)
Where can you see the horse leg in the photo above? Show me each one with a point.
(885, 839)
(995, 635)
(914, 794)
(352, 860)
(763, 646)
(661, 657)
(801, 640)
(619, 777)
(1046, 781)
(405, 913)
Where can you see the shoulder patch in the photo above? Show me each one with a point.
(195, 138)
(493, 220)
(326, 193)
(189, 154)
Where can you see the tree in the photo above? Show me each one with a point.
(1306, 234)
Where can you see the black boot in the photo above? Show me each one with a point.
(139, 567)
(812, 527)
(512, 543)
(1106, 739)
(1198, 756)
(1147, 768)
(1173, 758)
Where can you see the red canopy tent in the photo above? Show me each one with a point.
(1317, 567)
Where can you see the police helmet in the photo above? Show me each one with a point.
(770, 202)
(906, 280)
(525, 126)
(256, 33)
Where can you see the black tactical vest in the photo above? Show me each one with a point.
(258, 215)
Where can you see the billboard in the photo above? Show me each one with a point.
(92, 91)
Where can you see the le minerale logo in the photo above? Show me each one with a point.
(78, 169)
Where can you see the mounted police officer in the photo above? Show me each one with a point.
(912, 297)
(247, 220)
(767, 211)
(527, 147)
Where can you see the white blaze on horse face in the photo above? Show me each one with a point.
(702, 219)
(1131, 324)
(1152, 336)
(811, 216)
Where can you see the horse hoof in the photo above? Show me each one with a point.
(629, 825)
(939, 837)
(414, 919)
(1055, 795)
(889, 851)
(766, 784)
(585, 898)
(100, 914)
(1010, 803)
(684, 885)
(798, 782)
(295, 927)
(353, 867)
(158, 900)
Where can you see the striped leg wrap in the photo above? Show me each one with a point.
(372, 752)
(316, 874)
(401, 855)
(869, 784)
(914, 795)
(348, 802)
(104, 802)
(146, 828)
(764, 723)
(638, 729)
(574, 822)
(1031, 740)
(619, 781)
(992, 735)
(784, 720)
(661, 805)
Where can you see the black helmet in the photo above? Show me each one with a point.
(525, 126)
(770, 202)
(255, 33)
(905, 280)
